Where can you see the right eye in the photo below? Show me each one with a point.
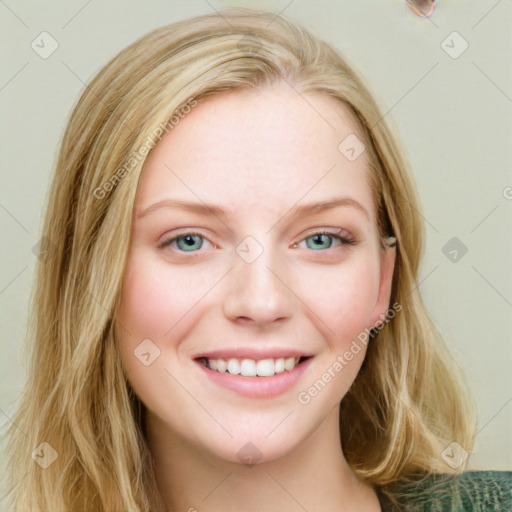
(185, 242)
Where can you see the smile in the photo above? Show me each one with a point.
(251, 367)
(262, 376)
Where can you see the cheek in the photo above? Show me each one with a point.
(343, 297)
(157, 297)
(343, 301)
(157, 304)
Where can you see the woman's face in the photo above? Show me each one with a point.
(228, 267)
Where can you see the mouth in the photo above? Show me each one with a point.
(246, 367)
(265, 375)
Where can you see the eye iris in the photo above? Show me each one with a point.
(189, 241)
(320, 237)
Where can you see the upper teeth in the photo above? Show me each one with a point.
(252, 368)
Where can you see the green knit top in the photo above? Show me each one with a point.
(475, 491)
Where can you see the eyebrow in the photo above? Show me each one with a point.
(219, 211)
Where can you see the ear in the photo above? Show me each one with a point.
(387, 267)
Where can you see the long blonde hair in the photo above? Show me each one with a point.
(408, 402)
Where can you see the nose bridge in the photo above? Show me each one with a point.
(256, 290)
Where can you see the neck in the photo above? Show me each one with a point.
(315, 476)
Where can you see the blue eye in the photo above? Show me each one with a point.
(322, 240)
(188, 242)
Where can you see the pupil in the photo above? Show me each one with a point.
(320, 239)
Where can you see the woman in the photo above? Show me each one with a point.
(229, 316)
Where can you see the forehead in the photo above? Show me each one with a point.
(265, 147)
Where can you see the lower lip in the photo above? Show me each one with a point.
(257, 387)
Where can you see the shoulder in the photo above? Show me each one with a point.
(471, 491)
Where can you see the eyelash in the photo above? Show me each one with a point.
(344, 240)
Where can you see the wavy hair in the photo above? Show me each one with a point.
(409, 400)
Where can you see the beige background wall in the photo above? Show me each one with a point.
(451, 105)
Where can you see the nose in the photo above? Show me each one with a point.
(258, 291)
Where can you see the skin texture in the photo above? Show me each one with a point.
(259, 155)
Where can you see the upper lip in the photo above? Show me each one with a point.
(251, 353)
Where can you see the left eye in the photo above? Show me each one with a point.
(192, 242)
(324, 240)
